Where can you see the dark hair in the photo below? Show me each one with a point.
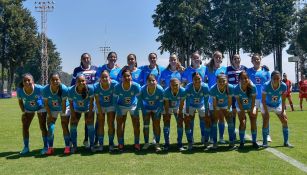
(249, 85)
(151, 76)
(275, 72)
(196, 52)
(23, 76)
(132, 54)
(232, 57)
(60, 91)
(158, 69)
(195, 73)
(81, 64)
(223, 75)
(126, 70)
(210, 65)
(110, 53)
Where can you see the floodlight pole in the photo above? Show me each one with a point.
(105, 49)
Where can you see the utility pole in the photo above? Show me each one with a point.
(105, 49)
(44, 7)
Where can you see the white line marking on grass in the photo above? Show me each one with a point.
(283, 156)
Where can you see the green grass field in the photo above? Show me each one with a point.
(198, 161)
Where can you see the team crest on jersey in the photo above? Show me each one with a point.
(163, 83)
(106, 98)
(245, 100)
(80, 103)
(196, 100)
(136, 76)
(127, 100)
(173, 103)
(32, 103)
(258, 80)
(151, 103)
(274, 98)
(55, 103)
(220, 101)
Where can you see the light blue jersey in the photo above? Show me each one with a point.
(166, 77)
(221, 97)
(273, 97)
(258, 78)
(245, 100)
(134, 74)
(198, 98)
(80, 104)
(187, 74)
(147, 71)
(152, 101)
(126, 98)
(105, 95)
(113, 72)
(54, 100)
(173, 100)
(33, 101)
(211, 76)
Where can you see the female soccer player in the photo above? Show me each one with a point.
(222, 93)
(245, 93)
(213, 69)
(173, 70)
(152, 68)
(289, 90)
(197, 94)
(30, 101)
(258, 75)
(302, 85)
(104, 101)
(174, 97)
(152, 105)
(81, 100)
(111, 67)
(89, 71)
(55, 95)
(125, 99)
(133, 67)
(273, 100)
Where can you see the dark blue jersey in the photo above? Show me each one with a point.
(88, 73)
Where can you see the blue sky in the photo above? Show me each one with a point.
(78, 26)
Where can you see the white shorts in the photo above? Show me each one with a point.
(277, 109)
(171, 111)
(123, 110)
(56, 113)
(254, 109)
(201, 111)
(105, 109)
(40, 110)
(258, 103)
(211, 107)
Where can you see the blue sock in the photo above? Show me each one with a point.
(207, 134)
(67, 140)
(179, 135)
(121, 140)
(73, 134)
(111, 139)
(202, 127)
(91, 134)
(85, 132)
(214, 132)
(157, 138)
(230, 132)
(45, 140)
(51, 134)
(188, 134)
(136, 140)
(285, 132)
(242, 135)
(146, 130)
(254, 136)
(26, 142)
(100, 139)
(221, 129)
(166, 131)
(264, 135)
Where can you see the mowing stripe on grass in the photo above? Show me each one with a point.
(283, 156)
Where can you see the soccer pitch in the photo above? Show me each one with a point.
(198, 161)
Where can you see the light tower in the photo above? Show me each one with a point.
(44, 7)
(105, 49)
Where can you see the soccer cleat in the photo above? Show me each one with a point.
(269, 138)
(73, 150)
(214, 146)
(288, 145)
(211, 140)
(255, 145)
(44, 151)
(157, 147)
(190, 146)
(86, 144)
(264, 145)
(154, 141)
(93, 149)
(241, 145)
(121, 147)
(181, 148)
(99, 148)
(137, 147)
(111, 148)
(146, 146)
(222, 141)
(166, 146)
(24, 151)
(206, 144)
(67, 150)
(50, 151)
(232, 146)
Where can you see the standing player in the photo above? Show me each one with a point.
(174, 97)
(104, 102)
(89, 71)
(258, 75)
(289, 90)
(197, 94)
(213, 69)
(273, 100)
(133, 67)
(55, 96)
(81, 100)
(221, 94)
(302, 85)
(111, 67)
(30, 101)
(152, 68)
(245, 93)
(173, 70)
(151, 101)
(125, 99)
